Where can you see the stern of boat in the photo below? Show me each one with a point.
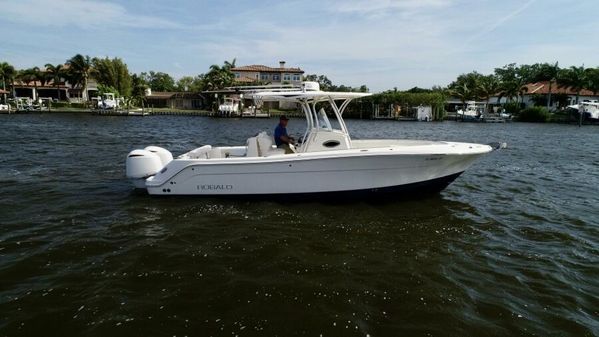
(142, 164)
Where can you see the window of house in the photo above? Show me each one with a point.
(237, 75)
(276, 77)
(296, 78)
(287, 77)
(264, 77)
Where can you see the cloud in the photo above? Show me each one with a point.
(382, 43)
(85, 14)
(381, 7)
(502, 21)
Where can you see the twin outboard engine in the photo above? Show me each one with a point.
(145, 163)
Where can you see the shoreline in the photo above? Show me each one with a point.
(273, 115)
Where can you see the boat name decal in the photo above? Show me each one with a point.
(214, 187)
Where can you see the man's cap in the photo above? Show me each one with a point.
(283, 118)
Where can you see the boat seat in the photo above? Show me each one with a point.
(215, 153)
(252, 147)
(265, 146)
(200, 152)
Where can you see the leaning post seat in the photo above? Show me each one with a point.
(265, 145)
(252, 147)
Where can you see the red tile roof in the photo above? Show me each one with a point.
(4, 92)
(265, 69)
(542, 88)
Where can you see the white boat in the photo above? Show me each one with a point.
(326, 161)
(470, 112)
(590, 108)
(108, 101)
(229, 108)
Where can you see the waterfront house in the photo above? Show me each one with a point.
(560, 96)
(175, 100)
(63, 90)
(532, 94)
(37, 89)
(267, 75)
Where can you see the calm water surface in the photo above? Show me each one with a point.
(510, 248)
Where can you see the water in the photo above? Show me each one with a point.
(510, 248)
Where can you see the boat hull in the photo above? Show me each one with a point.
(358, 175)
(400, 192)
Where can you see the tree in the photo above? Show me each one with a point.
(185, 83)
(219, 77)
(487, 87)
(189, 83)
(7, 74)
(513, 80)
(417, 90)
(574, 78)
(592, 77)
(33, 75)
(80, 68)
(548, 72)
(138, 86)
(461, 91)
(56, 73)
(230, 65)
(112, 73)
(466, 86)
(159, 81)
(323, 81)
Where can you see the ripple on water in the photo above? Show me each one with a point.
(510, 247)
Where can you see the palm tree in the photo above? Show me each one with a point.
(465, 87)
(55, 73)
(30, 75)
(40, 76)
(80, 68)
(548, 72)
(461, 91)
(574, 78)
(7, 73)
(230, 65)
(487, 87)
(219, 77)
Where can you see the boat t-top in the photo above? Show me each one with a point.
(325, 161)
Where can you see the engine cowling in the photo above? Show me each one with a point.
(142, 164)
(165, 155)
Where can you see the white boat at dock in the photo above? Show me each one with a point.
(326, 161)
(229, 108)
(470, 112)
(107, 101)
(589, 109)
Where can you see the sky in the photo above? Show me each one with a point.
(380, 43)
